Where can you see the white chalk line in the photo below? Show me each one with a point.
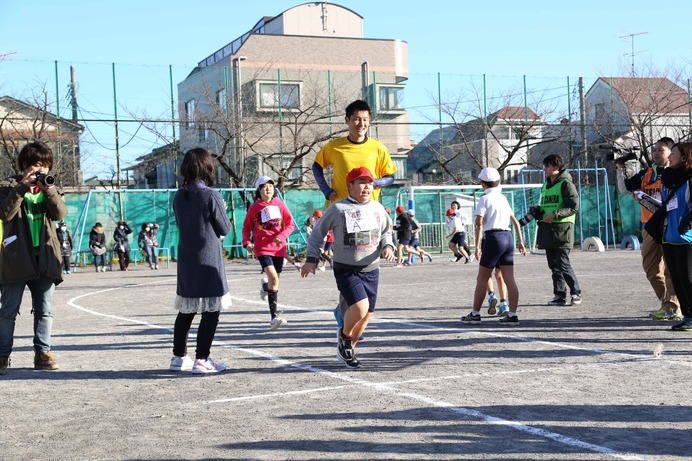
(565, 440)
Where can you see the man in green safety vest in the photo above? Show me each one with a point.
(559, 205)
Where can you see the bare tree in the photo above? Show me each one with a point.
(23, 121)
(637, 111)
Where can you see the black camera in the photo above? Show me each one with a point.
(620, 154)
(534, 212)
(46, 178)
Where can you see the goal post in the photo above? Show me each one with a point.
(431, 202)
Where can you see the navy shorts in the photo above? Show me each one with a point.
(276, 261)
(328, 246)
(403, 237)
(355, 285)
(414, 243)
(459, 238)
(497, 249)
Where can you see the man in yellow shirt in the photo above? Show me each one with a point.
(353, 151)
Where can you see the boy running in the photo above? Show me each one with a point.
(361, 237)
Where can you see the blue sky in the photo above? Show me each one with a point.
(544, 40)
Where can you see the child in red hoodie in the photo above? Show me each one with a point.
(270, 223)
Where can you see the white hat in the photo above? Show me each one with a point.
(411, 211)
(489, 175)
(262, 180)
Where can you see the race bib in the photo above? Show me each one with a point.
(672, 204)
(270, 212)
(360, 220)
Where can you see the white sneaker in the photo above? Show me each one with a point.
(207, 366)
(181, 363)
(263, 291)
(278, 322)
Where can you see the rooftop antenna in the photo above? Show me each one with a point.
(632, 53)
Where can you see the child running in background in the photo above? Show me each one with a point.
(361, 237)
(495, 245)
(458, 236)
(415, 243)
(268, 224)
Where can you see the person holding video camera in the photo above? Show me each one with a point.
(648, 180)
(31, 257)
(558, 207)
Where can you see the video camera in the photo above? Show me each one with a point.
(534, 212)
(46, 178)
(620, 154)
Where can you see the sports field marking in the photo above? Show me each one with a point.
(278, 394)
(466, 412)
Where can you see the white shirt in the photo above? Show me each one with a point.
(494, 208)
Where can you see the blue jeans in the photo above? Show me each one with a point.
(42, 303)
(100, 260)
(152, 257)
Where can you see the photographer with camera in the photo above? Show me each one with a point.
(648, 180)
(558, 207)
(31, 256)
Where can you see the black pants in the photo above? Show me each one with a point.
(205, 334)
(66, 262)
(678, 260)
(124, 258)
(562, 272)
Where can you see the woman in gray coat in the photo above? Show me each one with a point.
(200, 214)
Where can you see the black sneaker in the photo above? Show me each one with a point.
(471, 318)
(429, 257)
(557, 301)
(344, 351)
(576, 300)
(509, 320)
(458, 257)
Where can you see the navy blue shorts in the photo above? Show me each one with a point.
(276, 261)
(414, 243)
(356, 285)
(328, 246)
(459, 238)
(497, 249)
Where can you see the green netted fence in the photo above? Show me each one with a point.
(609, 219)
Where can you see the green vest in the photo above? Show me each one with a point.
(551, 200)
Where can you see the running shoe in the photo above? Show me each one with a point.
(277, 322)
(181, 363)
(201, 367)
(685, 325)
(509, 320)
(264, 288)
(471, 318)
(344, 351)
(429, 257)
(676, 316)
(576, 300)
(492, 304)
(503, 310)
(557, 301)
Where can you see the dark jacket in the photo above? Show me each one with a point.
(65, 239)
(120, 236)
(97, 240)
(560, 234)
(201, 218)
(18, 262)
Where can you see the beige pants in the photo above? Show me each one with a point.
(657, 273)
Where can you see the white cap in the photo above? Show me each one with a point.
(262, 180)
(489, 175)
(412, 212)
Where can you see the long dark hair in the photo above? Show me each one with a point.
(198, 165)
(685, 149)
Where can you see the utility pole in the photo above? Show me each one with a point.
(632, 53)
(582, 122)
(76, 158)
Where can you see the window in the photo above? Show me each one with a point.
(271, 96)
(190, 113)
(390, 98)
(295, 172)
(221, 99)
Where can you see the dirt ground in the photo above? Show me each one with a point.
(597, 381)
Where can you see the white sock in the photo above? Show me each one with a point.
(512, 314)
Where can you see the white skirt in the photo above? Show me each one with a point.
(199, 305)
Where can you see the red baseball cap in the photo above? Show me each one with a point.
(388, 210)
(359, 173)
(317, 213)
(451, 212)
(399, 209)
